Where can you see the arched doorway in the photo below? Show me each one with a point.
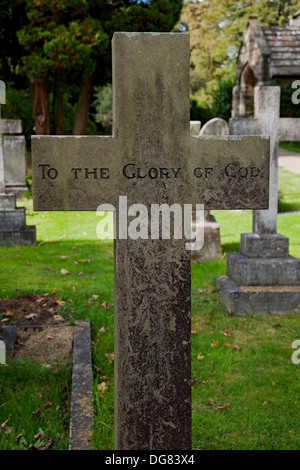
(247, 84)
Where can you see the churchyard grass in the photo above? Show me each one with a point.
(34, 406)
(245, 391)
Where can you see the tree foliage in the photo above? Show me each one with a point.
(216, 29)
(64, 45)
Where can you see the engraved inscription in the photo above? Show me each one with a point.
(130, 171)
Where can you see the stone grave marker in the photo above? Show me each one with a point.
(14, 153)
(263, 277)
(216, 126)
(150, 159)
(13, 229)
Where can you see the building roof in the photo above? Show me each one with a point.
(284, 47)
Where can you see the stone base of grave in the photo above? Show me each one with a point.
(18, 189)
(212, 242)
(262, 278)
(13, 228)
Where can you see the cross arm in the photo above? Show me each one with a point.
(289, 129)
(74, 173)
(230, 172)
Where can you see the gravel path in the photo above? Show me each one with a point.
(289, 161)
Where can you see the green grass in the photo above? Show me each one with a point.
(291, 146)
(257, 384)
(34, 402)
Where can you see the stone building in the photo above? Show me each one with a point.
(270, 53)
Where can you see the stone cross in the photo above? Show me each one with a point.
(7, 126)
(151, 159)
(267, 121)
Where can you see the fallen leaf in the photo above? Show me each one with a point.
(236, 347)
(8, 314)
(206, 382)
(63, 257)
(102, 330)
(64, 272)
(228, 345)
(200, 358)
(58, 319)
(264, 403)
(214, 344)
(19, 437)
(3, 425)
(193, 332)
(94, 297)
(31, 316)
(80, 274)
(213, 372)
(222, 407)
(110, 357)
(211, 401)
(226, 333)
(101, 386)
(106, 306)
(54, 291)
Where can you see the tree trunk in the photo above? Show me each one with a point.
(82, 112)
(58, 113)
(40, 105)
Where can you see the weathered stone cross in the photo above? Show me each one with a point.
(7, 126)
(267, 121)
(152, 159)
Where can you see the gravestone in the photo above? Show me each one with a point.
(216, 126)
(150, 159)
(263, 277)
(13, 229)
(195, 127)
(2, 352)
(14, 152)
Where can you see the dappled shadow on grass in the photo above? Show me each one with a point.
(233, 247)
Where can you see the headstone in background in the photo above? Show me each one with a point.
(15, 164)
(195, 127)
(155, 161)
(212, 248)
(263, 277)
(216, 126)
(13, 229)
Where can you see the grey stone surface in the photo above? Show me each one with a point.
(81, 422)
(152, 277)
(216, 126)
(8, 335)
(264, 262)
(258, 300)
(14, 152)
(195, 127)
(13, 229)
(263, 271)
(268, 122)
(255, 245)
(212, 248)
